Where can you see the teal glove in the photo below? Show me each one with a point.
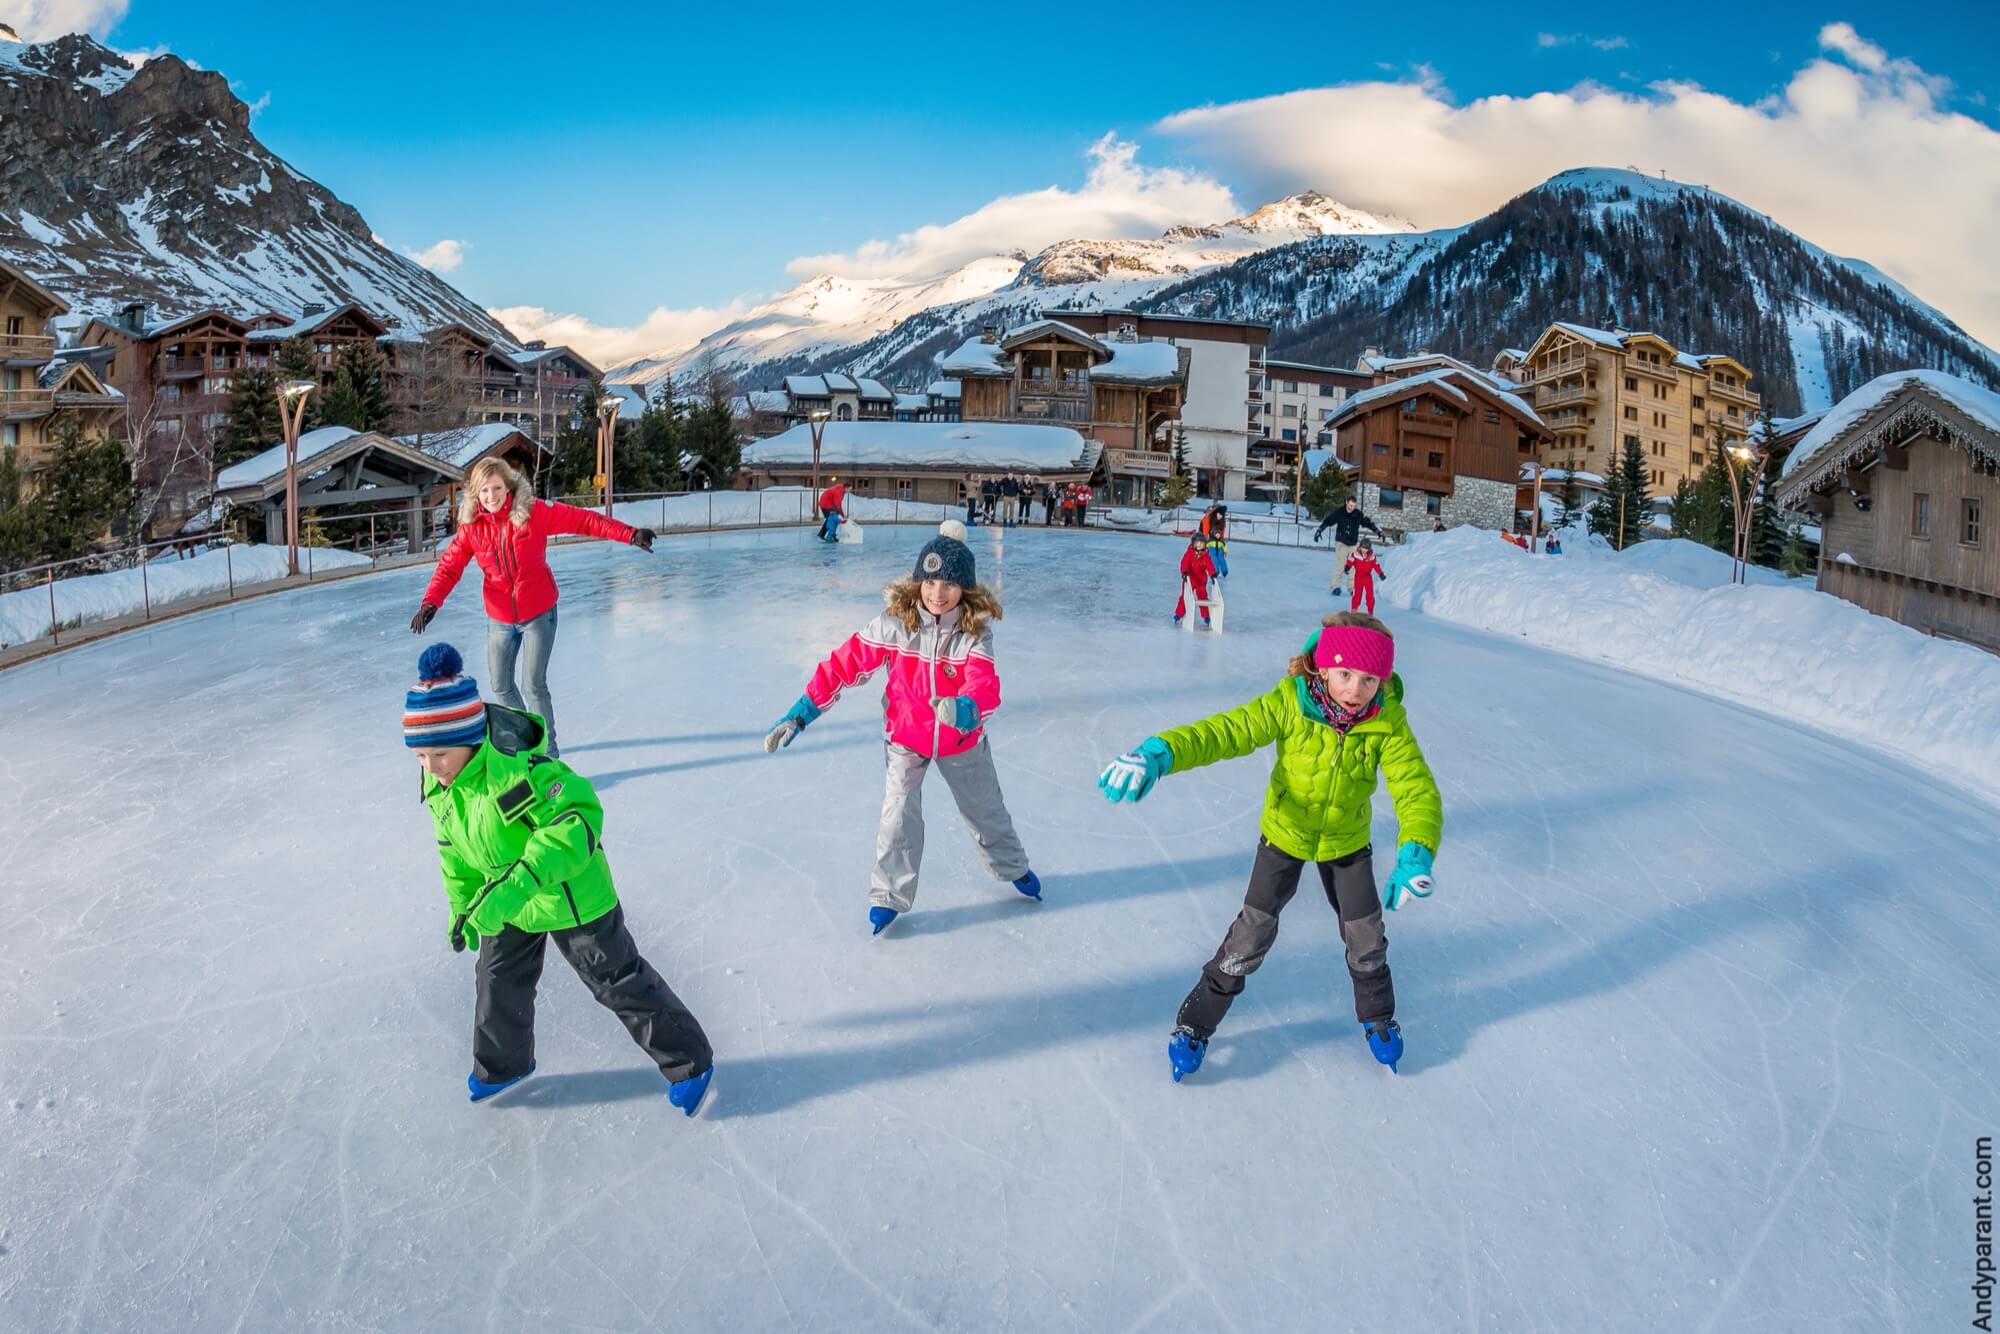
(1132, 775)
(786, 729)
(956, 711)
(1412, 875)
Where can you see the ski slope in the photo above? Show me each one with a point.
(1692, 1015)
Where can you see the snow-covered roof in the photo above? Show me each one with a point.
(1033, 329)
(944, 389)
(980, 360)
(464, 445)
(1558, 474)
(913, 402)
(529, 356)
(759, 400)
(1143, 363)
(926, 444)
(304, 324)
(261, 468)
(1839, 438)
(1406, 388)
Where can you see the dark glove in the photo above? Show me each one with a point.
(463, 937)
(642, 538)
(422, 618)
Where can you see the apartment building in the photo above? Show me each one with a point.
(40, 383)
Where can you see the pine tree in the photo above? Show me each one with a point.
(1767, 535)
(18, 540)
(573, 470)
(1713, 521)
(1569, 493)
(711, 435)
(1794, 559)
(1326, 490)
(1627, 506)
(656, 441)
(343, 405)
(359, 398)
(1180, 484)
(86, 488)
(1681, 509)
(251, 425)
(295, 361)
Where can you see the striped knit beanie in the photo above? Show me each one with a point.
(443, 708)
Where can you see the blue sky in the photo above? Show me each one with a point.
(610, 159)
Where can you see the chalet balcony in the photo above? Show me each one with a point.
(1665, 370)
(1053, 407)
(1557, 370)
(1720, 390)
(1574, 393)
(182, 367)
(29, 348)
(18, 403)
(75, 399)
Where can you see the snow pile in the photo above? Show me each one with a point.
(986, 445)
(1666, 610)
(774, 506)
(89, 598)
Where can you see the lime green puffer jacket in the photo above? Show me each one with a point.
(1317, 806)
(523, 830)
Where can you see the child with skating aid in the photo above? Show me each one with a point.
(936, 640)
(1338, 720)
(520, 839)
(1365, 569)
(1197, 567)
(1215, 535)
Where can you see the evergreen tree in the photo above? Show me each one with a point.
(1767, 535)
(573, 470)
(1682, 509)
(359, 398)
(295, 362)
(343, 405)
(1794, 559)
(1180, 484)
(86, 488)
(1326, 490)
(1627, 506)
(656, 441)
(1713, 520)
(711, 435)
(1569, 494)
(18, 542)
(251, 425)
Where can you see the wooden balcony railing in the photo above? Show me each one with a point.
(1576, 393)
(1557, 370)
(16, 403)
(27, 347)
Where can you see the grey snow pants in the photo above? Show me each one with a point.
(1350, 887)
(605, 956)
(899, 844)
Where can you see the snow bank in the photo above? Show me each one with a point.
(1666, 610)
(85, 599)
(988, 445)
(772, 506)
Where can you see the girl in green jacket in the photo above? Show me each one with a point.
(1338, 720)
(520, 839)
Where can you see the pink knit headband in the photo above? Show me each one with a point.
(1356, 648)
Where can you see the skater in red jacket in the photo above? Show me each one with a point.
(1366, 570)
(1196, 568)
(832, 509)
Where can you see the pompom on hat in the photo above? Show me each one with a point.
(443, 708)
(1355, 647)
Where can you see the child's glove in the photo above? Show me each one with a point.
(802, 712)
(1132, 775)
(642, 538)
(1411, 876)
(956, 711)
(463, 937)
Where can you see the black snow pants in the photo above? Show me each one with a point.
(1350, 887)
(604, 955)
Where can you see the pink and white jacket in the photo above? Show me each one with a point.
(935, 661)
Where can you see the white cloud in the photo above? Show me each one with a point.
(443, 257)
(39, 20)
(1855, 154)
(1545, 40)
(260, 104)
(662, 333)
(1119, 199)
(1609, 43)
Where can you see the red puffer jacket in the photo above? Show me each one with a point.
(515, 560)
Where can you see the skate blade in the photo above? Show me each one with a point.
(707, 1103)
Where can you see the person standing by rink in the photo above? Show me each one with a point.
(832, 509)
(520, 840)
(936, 640)
(507, 530)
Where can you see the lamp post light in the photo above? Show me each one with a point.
(1740, 454)
(607, 440)
(817, 421)
(292, 396)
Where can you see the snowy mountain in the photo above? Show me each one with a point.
(827, 314)
(120, 184)
(1609, 247)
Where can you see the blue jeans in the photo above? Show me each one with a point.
(503, 645)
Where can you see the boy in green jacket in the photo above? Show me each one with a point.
(520, 839)
(1338, 719)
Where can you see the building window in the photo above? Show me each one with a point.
(1433, 504)
(906, 488)
(1289, 434)
(1695, 460)
(1968, 521)
(1700, 431)
(1436, 461)
(1697, 401)
(1289, 410)
(10, 437)
(1920, 514)
(1381, 448)
(1440, 410)
(1632, 383)
(1492, 417)
(1631, 413)
(1631, 440)
(1409, 451)
(1391, 500)
(1409, 405)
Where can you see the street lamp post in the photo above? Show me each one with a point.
(607, 441)
(817, 421)
(292, 396)
(1736, 455)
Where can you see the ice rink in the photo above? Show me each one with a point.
(1694, 1015)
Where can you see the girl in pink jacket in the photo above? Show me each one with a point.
(936, 641)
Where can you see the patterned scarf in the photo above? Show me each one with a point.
(1338, 718)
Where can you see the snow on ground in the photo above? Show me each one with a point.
(770, 507)
(1666, 609)
(83, 599)
(1692, 1013)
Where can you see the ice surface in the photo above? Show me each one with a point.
(1692, 1016)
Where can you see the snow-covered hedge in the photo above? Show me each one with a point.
(85, 599)
(1666, 609)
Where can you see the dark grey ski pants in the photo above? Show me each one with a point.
(604, 955)
(1350, 888)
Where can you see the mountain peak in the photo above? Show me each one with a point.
(1310, 213)
(74, 58)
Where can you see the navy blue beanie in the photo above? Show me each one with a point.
(948, 559)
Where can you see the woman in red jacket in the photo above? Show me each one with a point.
(504, 528)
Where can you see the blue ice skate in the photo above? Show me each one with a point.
(879, 918)
(1184, 1052)
(1386, 1041)
(1031, 885)
(481, 1090)
(686, 1094)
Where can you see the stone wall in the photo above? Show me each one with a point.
(1474, 500)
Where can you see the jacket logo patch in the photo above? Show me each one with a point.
(950, 670)
(555, 790)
